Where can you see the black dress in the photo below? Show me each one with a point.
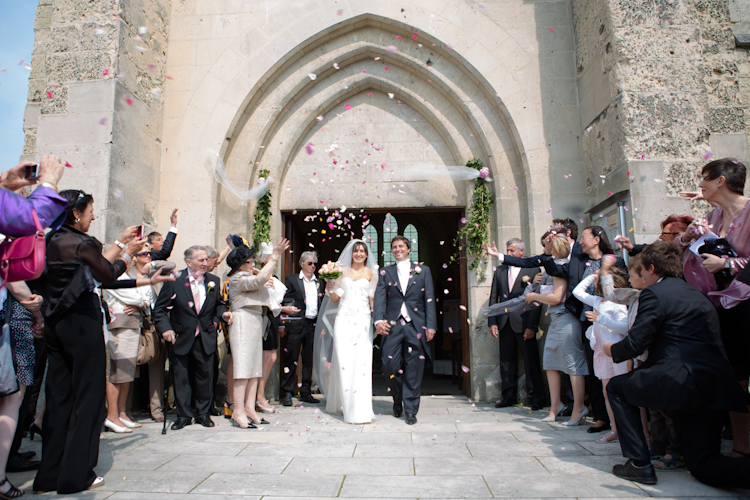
(76, 380)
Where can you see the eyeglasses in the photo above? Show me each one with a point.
(664, 233)
(144, 254)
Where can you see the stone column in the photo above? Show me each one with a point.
(95, 100)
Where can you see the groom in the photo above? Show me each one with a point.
(405, 314)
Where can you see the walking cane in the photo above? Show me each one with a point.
(170, 383)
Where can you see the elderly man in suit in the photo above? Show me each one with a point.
(686, 374)
(187, 313)
(404, 313)
(305, 292)
(516, 331)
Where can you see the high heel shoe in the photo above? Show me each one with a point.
(228, 410)
(261, 421)
(34, 429)
(607, 438)
(554, 417)
(112, 427)
(130, 425)
(249, 425)
(264, 409)
(580, 419)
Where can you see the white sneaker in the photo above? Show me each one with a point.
(99, 481)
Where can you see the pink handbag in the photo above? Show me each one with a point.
(23, 258)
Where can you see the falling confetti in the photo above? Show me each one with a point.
(347, 106)
(129, 101)
(552, 29)
(707, 155)
(312, 76)
(465, 368)
(391, 49)
(309, 148)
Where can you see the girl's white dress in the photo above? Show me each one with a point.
(610, 326)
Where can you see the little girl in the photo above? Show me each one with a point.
(610, 324)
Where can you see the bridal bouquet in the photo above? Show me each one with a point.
(330, 271)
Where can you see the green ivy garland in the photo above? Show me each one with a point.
(476, 230)
(262, 217)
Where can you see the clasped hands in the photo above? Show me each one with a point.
(384, 328)
(170, 336)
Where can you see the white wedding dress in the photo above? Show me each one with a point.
(350, 383)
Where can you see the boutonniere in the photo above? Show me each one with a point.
(417, 269)
(525, 279)
(211, 285)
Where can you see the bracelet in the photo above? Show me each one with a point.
(117, 242)
(127, 257)
(49, 185)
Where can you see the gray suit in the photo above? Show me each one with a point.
(405, 348)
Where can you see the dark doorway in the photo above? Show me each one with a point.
(431, 232)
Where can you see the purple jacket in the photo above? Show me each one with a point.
(15, 213)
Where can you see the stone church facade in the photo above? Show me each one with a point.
(574, 105)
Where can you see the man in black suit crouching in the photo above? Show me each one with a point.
(305, 292)
(687, 375)
(187, 313)
(516, 331)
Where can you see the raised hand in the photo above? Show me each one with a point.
(173, 217)
(281, 246)
(491, 250)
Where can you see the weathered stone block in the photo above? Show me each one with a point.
(63, 67)
(726, 120)
(90, 40)
(64, 39)
(58, 103)
(43, 17)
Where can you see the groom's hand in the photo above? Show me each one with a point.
(383, 327)
(430, 334)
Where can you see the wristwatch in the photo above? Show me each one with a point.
(727, 265)
(117, 242)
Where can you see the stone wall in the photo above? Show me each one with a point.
(95, 100)
(660, 84)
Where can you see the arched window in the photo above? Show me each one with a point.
(370, 237)
(390, 230)
(410, 233)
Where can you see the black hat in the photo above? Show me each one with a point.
(239, 256)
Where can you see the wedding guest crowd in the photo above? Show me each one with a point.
(675, 377)
(664, 380)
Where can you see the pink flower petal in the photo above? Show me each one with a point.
(129, 101)
(465, 368)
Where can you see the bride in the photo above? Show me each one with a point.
(343, 344)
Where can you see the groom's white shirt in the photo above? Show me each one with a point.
(404, 269)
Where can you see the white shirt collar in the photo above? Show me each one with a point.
(303, 278)
(403, 264)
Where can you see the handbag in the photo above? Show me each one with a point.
(149, 343)
(8, 380)
(22, 259)
(721, 248)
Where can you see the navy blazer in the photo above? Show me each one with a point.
(500, 293)
(686, 366)
(419, 299)
(166, 248)
(179, 314)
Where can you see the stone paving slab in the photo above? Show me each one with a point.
(460, 450)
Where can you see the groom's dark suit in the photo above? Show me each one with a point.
(405, 347)
(191, 352)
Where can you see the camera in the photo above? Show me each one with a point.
(31, 172)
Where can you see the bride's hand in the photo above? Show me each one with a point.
(329, 286)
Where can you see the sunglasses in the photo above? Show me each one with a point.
(310, 263)
(667, 234)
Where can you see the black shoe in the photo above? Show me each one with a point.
(213, 411)
(536, 407)
(181, 422)
(568, 410)
(629, 471)
(16, 463)
(287, 400)
(34, 429)
(27, 455)
(411, 419)
(204, 420)
(602, 428)
(398, 409)
(308, 398)
(505, 403)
